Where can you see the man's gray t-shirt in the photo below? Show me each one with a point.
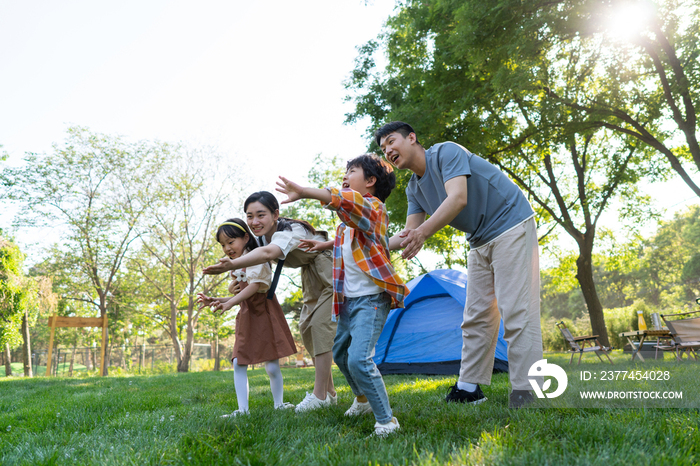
(494, 203)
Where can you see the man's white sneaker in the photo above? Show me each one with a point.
(238, 412)
(334, 399)
(358, 408)
(382, 430)
(284, 405)
(311, 402)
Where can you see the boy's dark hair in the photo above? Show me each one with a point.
(269, 201)
(234, 232)
(374, 166)
(395, 126)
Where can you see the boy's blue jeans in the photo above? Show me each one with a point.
(360, 323)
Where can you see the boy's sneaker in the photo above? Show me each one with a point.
(334, 399)
(284, 405)
(238, 412)
(358, 408)
(311, 402)
(383, 430)
(462, 396)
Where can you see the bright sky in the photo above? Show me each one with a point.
(258, 80)
(261, 81)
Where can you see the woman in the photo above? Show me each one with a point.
(280, 238)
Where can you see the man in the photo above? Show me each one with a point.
(457, 188)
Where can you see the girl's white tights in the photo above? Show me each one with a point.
(240, 381)
(276, 383)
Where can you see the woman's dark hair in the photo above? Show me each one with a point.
(404, 129)
(269, 201)
(374, 166)
(234, 232)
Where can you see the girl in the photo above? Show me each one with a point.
(262, 333)
(281, 238)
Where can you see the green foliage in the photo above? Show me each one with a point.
(691, 271)
(97, 187)
(324, 172)
(14, 293)
(540, 90)
(292, 304)
(655, 272)
(477, 71)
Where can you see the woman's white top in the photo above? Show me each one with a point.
(288, 240)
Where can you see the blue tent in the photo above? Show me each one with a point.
(425, 337)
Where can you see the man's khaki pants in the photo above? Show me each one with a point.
(503, 280)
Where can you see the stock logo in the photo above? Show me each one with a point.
(542, 369)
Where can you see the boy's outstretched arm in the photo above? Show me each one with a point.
(295, 192)
(413, 221)
(312, 245)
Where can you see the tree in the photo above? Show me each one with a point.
(664, 275)
(13, 298)
(653, 271)
(449, 77)
(21, 301)
(177, 238)
(94, 188)
(641, 55)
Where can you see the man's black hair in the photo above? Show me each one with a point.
(395, 126)
(383, 172)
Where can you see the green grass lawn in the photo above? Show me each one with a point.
(174, 419)
(18, 369)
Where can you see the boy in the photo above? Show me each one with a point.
(365, 285)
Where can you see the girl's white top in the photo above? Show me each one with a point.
(261, 274)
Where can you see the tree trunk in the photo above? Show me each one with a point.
(72, 361)
(26, 346)
(175, 336)
(107, 355)
(217, 362)
(584, 275)
(8, 360)
(88, 359)
(183, 364)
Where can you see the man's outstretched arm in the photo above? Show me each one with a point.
(455, 202)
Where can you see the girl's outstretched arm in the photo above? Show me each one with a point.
(255, 257)
(249, 291)
(205, 300)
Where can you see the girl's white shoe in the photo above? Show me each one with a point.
(238, 412)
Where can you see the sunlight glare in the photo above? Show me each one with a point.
(629, 18)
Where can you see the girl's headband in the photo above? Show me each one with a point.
(234, 224)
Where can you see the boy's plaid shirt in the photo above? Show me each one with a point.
(368, 217)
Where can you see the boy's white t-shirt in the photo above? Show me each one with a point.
(356, 282)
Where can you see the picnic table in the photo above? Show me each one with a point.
(642, 335)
